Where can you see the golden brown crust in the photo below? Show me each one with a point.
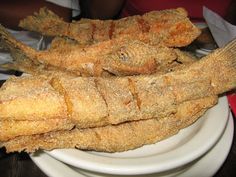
(116, 138)
(168, 102)
(172, 27)
(120, 57)
(30, 99)
(94, 102)
(11, 128)
(148, 97)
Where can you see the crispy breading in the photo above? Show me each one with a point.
(116, 138)
(118, 57)
(183, 60)
(95, 101)
(63, 42)
(170, 27)
(30, 99)
(11, 128)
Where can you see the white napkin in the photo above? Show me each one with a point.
(221, 30)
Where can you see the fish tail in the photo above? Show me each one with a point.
(44, 22)
(20, 52)
(220, 67)
(10, 43)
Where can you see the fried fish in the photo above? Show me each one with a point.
(93, 102)
(115, 138)
(169, 27)
(117, 57)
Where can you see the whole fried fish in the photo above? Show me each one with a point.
(170, 27)
(14, 128)
(119, 56)
(93, 102)
(115, 138)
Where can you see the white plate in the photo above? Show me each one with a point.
(176, 151)
(206, 166)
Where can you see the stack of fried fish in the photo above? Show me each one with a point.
(110, 85)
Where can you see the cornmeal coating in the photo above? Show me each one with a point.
(97, 101)
(120, 57)
(13, 128)
(170, 27)
(116, 138)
